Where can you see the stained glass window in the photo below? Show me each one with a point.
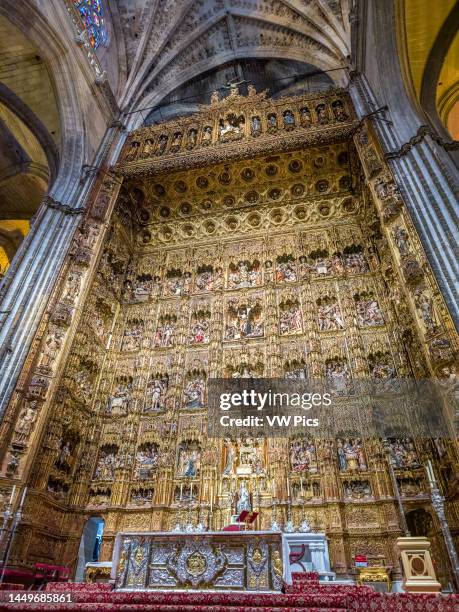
(92, 14)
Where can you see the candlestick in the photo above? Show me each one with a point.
(288, 487)
(211, 499)
(301, 487)
(430, 472)
(274, 489)
(12, 494)
(23, 497)
(191, 492)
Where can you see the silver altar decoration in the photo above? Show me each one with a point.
(249, 560)
(304, 526)
(196, 563)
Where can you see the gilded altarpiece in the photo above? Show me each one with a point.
(255, 238)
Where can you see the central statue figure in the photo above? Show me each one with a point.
(243, 501)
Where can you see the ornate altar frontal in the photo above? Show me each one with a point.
(256, 238)
(251, 561)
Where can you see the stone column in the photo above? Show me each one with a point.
(29, 282)
(418, 157)
(318, 557)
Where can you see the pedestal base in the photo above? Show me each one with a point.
(418, 570)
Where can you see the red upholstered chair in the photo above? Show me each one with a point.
(44, 572)
(296, 555)
(64, 574)
(18, 577)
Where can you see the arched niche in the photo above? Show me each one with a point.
(90, 543)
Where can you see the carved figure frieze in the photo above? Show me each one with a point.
(244, 318)
(156, 393)
(189, 460)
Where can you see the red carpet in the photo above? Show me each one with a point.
(307, 596)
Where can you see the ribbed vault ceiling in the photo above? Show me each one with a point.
(170, 43)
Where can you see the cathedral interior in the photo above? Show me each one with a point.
(200, 189)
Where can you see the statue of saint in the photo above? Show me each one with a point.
(243, 502)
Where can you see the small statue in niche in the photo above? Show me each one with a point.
(164, 335)
(200, 328)
(368, 311)
(243, 500)
(118, 402)
(272, 123)
(381, 366)
(303, 457)
(194, 393)
(355, 261)
(13, 465)
(105, 469)
(289, 120)
(403, 453)
(342, 463)
(285, 270)
(357, 489)
(372, 161)
(231, 127)
(269, 271)
(303, 268)
(337, 376)
(290, 319)
(305, 117)
(424, 306)
(322, 114)
(189, 461)
(162, 144)
(339, 111)
(230, 458)
(131, 155)
(146, 460)
(255, 126)
(65, 454)
(87, 236)
(192, 138)
(215, 97)
(25, 422)
(176, 143)
(329, 315)
(156, 393)
(72, 287)
(401, 240)
(51, 349)
(244, 320)
(132, 337)
(148, 148)
(206, 135)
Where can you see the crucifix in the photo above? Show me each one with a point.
(234, 87)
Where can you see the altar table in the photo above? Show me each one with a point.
(232, 560)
